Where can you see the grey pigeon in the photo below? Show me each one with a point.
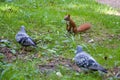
(23, 38)
(86, 62)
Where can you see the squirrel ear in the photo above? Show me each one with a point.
(68, 15)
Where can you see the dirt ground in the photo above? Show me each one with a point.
(113, 3)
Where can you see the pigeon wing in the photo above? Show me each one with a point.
(82, 61)
(27, 41)
(20, 35)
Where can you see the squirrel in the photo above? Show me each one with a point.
(71, 26)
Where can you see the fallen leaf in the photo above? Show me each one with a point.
(91, 41)
(59, 74)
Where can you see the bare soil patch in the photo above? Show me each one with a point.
(54, 62)
(8, 55)
(113, 73)
(113, 3)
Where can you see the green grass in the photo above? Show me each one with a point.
(43, 20)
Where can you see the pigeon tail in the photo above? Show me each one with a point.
(103, 70)
(99, 68)
(34, 45)
(31, 42)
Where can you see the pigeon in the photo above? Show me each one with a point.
(23, 38)
(86, 62)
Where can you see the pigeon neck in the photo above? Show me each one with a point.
(79, 51)
(22, 29)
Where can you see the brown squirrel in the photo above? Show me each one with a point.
(71, 26)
